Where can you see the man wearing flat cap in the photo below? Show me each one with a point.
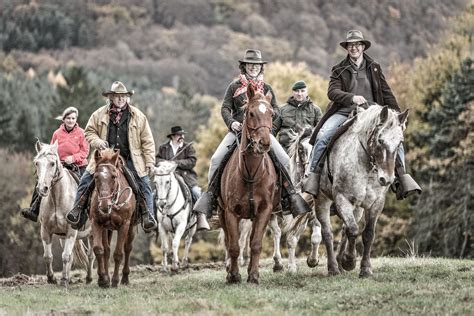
(120, 125)
(183, 153)
(298, 113)
(356, 81)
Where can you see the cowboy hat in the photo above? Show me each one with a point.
(252, 56)
(118, 88)
(355, 36)
(176, 130)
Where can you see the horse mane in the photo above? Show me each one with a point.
(107, 154)
(45, 150)
(367, 119)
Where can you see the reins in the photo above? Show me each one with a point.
(116, 193)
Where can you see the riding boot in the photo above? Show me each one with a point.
(148, 220)
(32, 212)
(311, 183)
(404, 185)
(290, 198)
(206, 204)
(77, 217)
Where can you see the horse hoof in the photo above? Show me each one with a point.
(185, 264)
(64, 282)
(104, 283)
(88, 280)
(365, 273)
(125, 280)
(277, 267)
(292, 269)
(233, 278)
(348, 263)
(253, 278)
(115, 283)
(52, 280)
(312, 262)
(334, 272)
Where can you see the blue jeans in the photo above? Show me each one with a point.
(143, 183)
(196, 193)
(325, 135)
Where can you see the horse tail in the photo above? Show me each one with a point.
(295, 226)
(221, 238)
(80, 257)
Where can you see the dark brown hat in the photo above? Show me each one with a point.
(118, 88)
(252, 56)
(176, 130)
(355, 36)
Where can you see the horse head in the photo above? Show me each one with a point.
(106, 178)
(257, 124)
(299, 152)
(383, 139)
(163, 174)
(48, 167)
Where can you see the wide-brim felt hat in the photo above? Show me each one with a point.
(176, 130)
(355, 36)
(252, 56)
(118, 88)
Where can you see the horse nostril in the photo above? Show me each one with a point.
(383, 181)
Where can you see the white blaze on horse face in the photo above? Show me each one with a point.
(262, 108)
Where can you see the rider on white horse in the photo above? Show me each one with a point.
(356, 81)
(184, 155)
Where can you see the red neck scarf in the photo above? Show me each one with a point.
(118, 111)
(258, 84)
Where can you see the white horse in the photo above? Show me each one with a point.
(175, 218)
(58, 189)
(360, 181)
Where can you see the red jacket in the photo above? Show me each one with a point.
(73, 144)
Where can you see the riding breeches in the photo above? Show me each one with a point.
(230, 138)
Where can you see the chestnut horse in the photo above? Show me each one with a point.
(249, 185)
(112, 207)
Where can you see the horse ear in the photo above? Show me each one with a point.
(402, 117)
(250, 92)
(269, 97)
(38, 145)
(97, 155)
(384, 114)
(115, 157)
(55, 145)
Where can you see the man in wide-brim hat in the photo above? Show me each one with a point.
(120, 125)
(356, 81)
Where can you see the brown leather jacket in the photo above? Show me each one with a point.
(185, 159)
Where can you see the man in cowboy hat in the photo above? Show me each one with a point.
(251, 73)
(298, 111)
(184, 155)
(120, 125)
(356, 81)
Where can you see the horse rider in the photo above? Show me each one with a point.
(124, 127)
(184, 155)
(356, 81)
(251, 73)
(298, 111)
(73, 149)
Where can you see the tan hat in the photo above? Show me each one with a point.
(118, 88)
(355, 36)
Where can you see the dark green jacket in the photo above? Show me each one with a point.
(292, 115)
(232, 107)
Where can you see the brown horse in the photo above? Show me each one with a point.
(112, 208)
(249, 185)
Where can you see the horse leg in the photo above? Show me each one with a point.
(164, 247)
(128, 249)
(226, 239)
(322, 212)
(175, 245)
(313, 258)
(48, 254)
(232, 243)
(67, 256)
(258, 230)
(106, 239)
(99, 254)
(119, 250)
(277, 266)
(291, 241)
(368, 238)
(187, 244)
(350, 215)
(245, 226)
(91, 257)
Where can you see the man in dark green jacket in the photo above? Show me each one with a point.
(300, 111)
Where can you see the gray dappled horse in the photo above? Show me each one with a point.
(174, 215)
(362, 165)
(58, 188)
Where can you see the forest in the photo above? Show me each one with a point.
(178, 56)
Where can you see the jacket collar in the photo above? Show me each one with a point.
(346, 64)
(104, 115)
(291, 101)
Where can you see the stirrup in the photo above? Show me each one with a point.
(73, 217)
(201, 222)
(311, 184)
(407, 186)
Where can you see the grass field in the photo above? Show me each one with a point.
(400, 286)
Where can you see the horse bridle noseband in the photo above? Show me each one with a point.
(116, 193)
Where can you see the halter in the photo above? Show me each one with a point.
(115, 195)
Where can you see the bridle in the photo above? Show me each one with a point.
(115, 195)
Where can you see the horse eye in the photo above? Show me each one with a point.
(251, 114)
(52, 164)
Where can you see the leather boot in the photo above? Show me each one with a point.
(148, 220)
(311, 183)
(206, 204)
(298, 205)
(406, 186)
(201, 223)
(77, 217)
(32, 212)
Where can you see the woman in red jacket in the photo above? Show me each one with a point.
(73, 150)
